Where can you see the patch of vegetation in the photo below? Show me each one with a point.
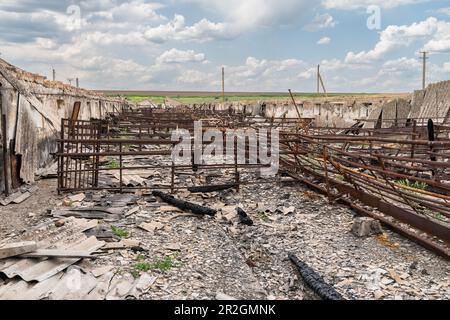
(413, 184)
(163, 265)
(121, 233)
(113, 164)
(244, 97)
(263, 216)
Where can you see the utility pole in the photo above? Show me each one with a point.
(424, 70)
(54, 74)
(77, 82)
(223, 84)
(318, 79)
(320, 82)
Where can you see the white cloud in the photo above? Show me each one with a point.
(250, 14)
(363, 4)
(176, 29)
(324, 41)
(445, 11)
(321, 21)
(393, 37)
(179, 56)
(196, 77)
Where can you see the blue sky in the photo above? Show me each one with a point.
(265, 45)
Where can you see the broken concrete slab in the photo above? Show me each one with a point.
(366, 227)
(123, 244)
(151, 226)
(78, 197)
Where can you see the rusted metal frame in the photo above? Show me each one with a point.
(417, 221)
(121, 168)
(295, 104)
(183, 167)
(325, 158)
(172, 174)
(356, 139)
(368, 167)
(413, 138)
(343, 173)
(393, 174)
(404, 159)
(442, 250)
(168, 187)
(373, 175)
(384, 192)
(393, 186)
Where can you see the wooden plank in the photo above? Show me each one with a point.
(16, 249)
(57, 253)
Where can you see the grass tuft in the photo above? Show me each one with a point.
(121, 233)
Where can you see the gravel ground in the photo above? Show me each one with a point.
(196, 258)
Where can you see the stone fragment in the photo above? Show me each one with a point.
(366, 227)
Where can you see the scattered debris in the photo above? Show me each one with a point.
(224, 297)
(16, 249)
(185, 205)
(315, 281)
(151, 227)
(102, 232)
(78, 197)
(243, 217)
(207, 189)
(365, 227)
(55, 253)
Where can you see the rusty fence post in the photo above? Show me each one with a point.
(236, 171)
(120, 166)
(325, 159)
(172, 174)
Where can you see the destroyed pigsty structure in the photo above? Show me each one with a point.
(211, 227)
(31, 112)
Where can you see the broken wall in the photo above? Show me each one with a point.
(32, 109)
(337, 113)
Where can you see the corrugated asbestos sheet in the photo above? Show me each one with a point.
(416, 103)
(373, 117)
(436, 102)
(40, 270)
(78, 284)
(60, 278)
(395, 109)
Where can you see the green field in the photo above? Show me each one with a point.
(211, 98)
